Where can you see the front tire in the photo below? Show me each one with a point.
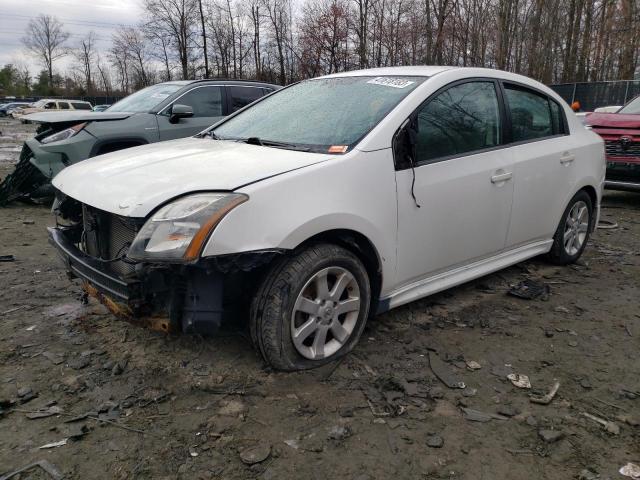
(311, 308)
(573, 232)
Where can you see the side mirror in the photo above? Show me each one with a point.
(404, 144)
(179, 111)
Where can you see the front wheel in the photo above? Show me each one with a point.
(573, 232)
(311, 308)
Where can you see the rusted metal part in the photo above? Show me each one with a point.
(159, 323)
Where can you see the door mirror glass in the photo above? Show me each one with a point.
(179, 111)
(404, 144)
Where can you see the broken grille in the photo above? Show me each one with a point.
(108, 237)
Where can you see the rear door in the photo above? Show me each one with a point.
(544, 164)
(207, 102)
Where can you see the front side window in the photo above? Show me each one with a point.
(50, 106)
(530, 114)
(205, 101)
(325, 114)
(462, 119)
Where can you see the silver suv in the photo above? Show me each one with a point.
(165, 111)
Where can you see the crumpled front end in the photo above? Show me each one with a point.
(93, 245)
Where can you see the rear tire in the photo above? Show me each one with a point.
(573, 232)
(310, 308)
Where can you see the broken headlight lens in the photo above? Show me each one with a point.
(64, 134)
(179, 230)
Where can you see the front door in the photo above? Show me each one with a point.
(207, 104)
(462, 182)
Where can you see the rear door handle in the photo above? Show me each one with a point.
(567, 158)
(501, 177)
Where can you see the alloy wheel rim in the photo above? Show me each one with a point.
(576, 228)
(325, 313)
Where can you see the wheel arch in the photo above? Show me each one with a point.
(361, 246)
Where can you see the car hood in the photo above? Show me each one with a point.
(616, 120)
(75, 116)
(135, 181)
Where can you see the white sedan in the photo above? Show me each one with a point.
(331, 200)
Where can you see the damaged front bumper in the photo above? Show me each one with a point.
(163, 297)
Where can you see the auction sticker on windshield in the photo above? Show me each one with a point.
(391, 82)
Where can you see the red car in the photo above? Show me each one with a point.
(621, 134)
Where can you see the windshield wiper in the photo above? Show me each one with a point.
(273, 143)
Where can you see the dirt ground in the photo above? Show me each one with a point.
(138, 404)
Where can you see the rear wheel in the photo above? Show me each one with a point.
(573, 232)
(311, 308)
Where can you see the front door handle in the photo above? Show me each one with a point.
(501, 177)
(567, 158)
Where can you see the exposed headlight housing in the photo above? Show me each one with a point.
(178, 231)
(64, 134)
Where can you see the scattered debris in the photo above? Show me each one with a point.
(53, 472)
(546, 399)
(508, 411)
(231, 408)
(7, 258)
(483, 417)
(441, 370)
(54, 358)
(630, 470)
(607, 224)
(519, 380)
(256, 454)
(43, 413)
(435, 441)
(588, 474)
(293, 444)
(54, 444)
(473, 365)
(608, 426)
(529, 290)
(340, 432)
(550, 436)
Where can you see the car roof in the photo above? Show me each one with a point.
(225, 81)
(412, 71)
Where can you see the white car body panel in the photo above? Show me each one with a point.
(467, 225)
(135, 181)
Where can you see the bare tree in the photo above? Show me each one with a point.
(45, 39)
(85, 55)
(176, 20)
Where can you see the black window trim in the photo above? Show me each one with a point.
(505, 120)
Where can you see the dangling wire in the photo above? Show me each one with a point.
(413, 181)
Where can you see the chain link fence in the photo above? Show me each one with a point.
(592, 95)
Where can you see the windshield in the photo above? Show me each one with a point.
(326, 114)
(631, 108)
(146, 99)
(39, 103)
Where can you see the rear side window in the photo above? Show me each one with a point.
(531, 114)
(81, 106)
(460, 120)
(63, 106)
(205, 101)
(243, 96)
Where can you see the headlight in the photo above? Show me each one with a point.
(64, 134)
(179, 230)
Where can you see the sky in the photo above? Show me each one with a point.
(78, 16)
